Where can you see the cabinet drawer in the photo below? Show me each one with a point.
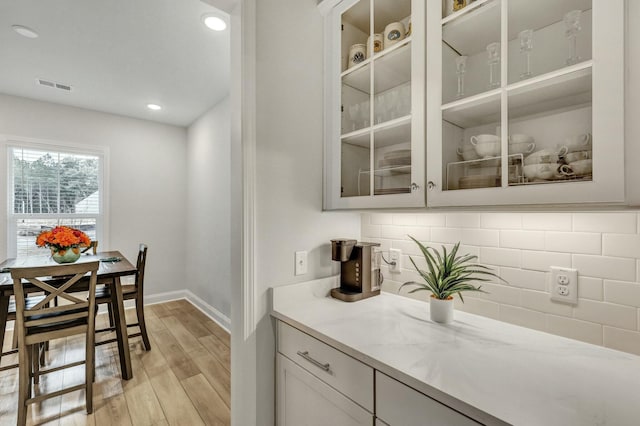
(400, 405)
(342, 372)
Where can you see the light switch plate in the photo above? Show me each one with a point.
(564, 285)
(301, 262)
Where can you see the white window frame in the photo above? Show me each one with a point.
(102, 152)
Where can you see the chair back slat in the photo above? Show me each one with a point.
(66, 276)
(140, 265)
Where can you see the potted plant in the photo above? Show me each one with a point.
(448, 274)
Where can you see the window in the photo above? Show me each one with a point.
(51, 186)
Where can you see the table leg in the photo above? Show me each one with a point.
(4, 312)
(121, 329)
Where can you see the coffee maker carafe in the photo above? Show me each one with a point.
(360, 275)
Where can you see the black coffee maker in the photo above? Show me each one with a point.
(360, 275)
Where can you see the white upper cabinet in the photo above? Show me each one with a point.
(525, 102)
(374, 104)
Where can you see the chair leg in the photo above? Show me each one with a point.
(142, 323)
(112, 322)
(14, 343)
(24, 380)
(35, 361)
(90, 368)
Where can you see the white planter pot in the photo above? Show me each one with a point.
(441, 310)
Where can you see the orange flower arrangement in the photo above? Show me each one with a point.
(62, 238)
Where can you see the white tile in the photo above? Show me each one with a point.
(522, 317)
(501, 220)
(615, 223)
(420, 233)
(404, 219)
(622, 292)
(463, 220)
(499, 293)
(407, 247)
(575, 329)
(621, 245)
(528, 240)
(543, 260)
(365, 218)
(539, 301)
(622, 340)
(381, 219)
(478, 307)
(405, 275)
(370, 231)
(419, 260)
(431, 219)
(606, 314)
(615, 268)
(500, 256)
(547, 221)
(472, 250)
(446, 235)
(574, 242)
(481, 237)
(590, 288)
(523, 278)
(393, 232)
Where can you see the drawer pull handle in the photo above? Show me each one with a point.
(326, 367)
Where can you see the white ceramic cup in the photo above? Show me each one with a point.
(575, 143)
(544, 171)
(577, 168)
(377, 44)
(520, 138)
(468, 152)
(357, 54)
(393, 33)
(578, 155)
(542, 156)
(521, 148)
(479, 139)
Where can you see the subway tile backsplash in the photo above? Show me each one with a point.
(603, 246)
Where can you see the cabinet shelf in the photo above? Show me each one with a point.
(569, 86)
(389, 171)
(392, 65)
(486, 14)
(385, 134)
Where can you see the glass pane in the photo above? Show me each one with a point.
(392, 159)
(471, 145)
(547, 35)
(392, 86)
(356, 161)
(29, 229)
(471, 53)
(550, 125)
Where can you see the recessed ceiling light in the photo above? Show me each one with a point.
(214, 22)
(154, 107)
(24, 31)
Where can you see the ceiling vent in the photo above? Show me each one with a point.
(53, 85)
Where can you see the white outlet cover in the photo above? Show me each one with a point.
(395, 255)
(301, 263)
(564, 285)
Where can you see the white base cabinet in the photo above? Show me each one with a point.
(303, 399)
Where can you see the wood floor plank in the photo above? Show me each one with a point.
(218, 350)
(178, 408)
(160, 310)
(184, 337)
(153, 361)
(144, 407)
(181, 364)
(113, 412)
(192, 323)
(179, 305)
(217, 331)
(211, 407)
(216, 374)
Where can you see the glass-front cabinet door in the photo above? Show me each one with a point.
(530, 103)
(374, 132)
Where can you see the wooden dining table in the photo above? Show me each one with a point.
(109, 273)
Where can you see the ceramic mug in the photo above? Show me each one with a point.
(393, 33)
(542, 156)
(480, 139)
(577, 168)
(544, 171)
(520, 138)
(575, 143)
(378, 42)
(357, 54)
(578, 155)
(521, 148)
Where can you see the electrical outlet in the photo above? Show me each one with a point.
(564, 285)
(301, 262)
(395, 255)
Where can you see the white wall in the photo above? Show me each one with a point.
(147, 179)
(208, 208)
(289, 215)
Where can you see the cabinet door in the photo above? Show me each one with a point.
(374, 100)
(399, 405)
(303, 399)
(530, 106)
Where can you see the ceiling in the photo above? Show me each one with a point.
(118, 56)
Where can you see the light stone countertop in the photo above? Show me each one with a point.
(492, 371)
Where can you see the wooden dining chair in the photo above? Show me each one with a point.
(10, 308)
(39, 324)
(133, 291)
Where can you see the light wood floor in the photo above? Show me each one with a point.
(184, 379)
